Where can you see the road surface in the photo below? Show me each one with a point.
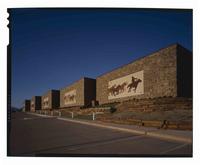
(47, 136)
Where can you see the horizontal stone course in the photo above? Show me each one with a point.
(158, 104)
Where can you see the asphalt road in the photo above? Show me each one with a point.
(39, 136)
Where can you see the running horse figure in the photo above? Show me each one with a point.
(121, 87)
(134, 84)
(111, 90)
(117, 89)
(71, 97)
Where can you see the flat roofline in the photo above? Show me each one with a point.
(51, 91)
(140, 58)
(89, 78)
(29, 100)
(77, 81)
(66, 86)
(35, 96)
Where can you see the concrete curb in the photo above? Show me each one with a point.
(155, 134)
(169, 137)
(103, 126)
(141, 132)
(41, 115)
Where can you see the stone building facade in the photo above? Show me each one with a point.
(80, 93)
(26, 106)
(51, 100)
(165, 73)
(35, 103)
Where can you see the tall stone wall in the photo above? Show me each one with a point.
(47, 101)
(76, 89)
(79, 93)
(32, 104)
(35, 103)
(51, 100)
(159, 76)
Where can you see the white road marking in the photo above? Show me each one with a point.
(175, 148)
(27, 118)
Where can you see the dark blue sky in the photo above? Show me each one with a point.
(52, 48)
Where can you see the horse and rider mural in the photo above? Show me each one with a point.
(70, 97)
(46, 102)
(134, 83)
(125, 86)
(117, 89)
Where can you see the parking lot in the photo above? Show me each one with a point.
(47, 136)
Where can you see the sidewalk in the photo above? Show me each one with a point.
(175, 135)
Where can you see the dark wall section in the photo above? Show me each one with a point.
(38, 103)
(55, 99)
(35, 103)
(27, 104)
(184, 72)
(89, 91)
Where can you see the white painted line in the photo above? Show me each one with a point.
(27, 118)
(174, 148)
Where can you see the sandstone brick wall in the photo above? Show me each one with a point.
(156, 104)
(49, 96)
(85, 92)
(35, 103)
(79, 87)
(53, 100)
(160, 75)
